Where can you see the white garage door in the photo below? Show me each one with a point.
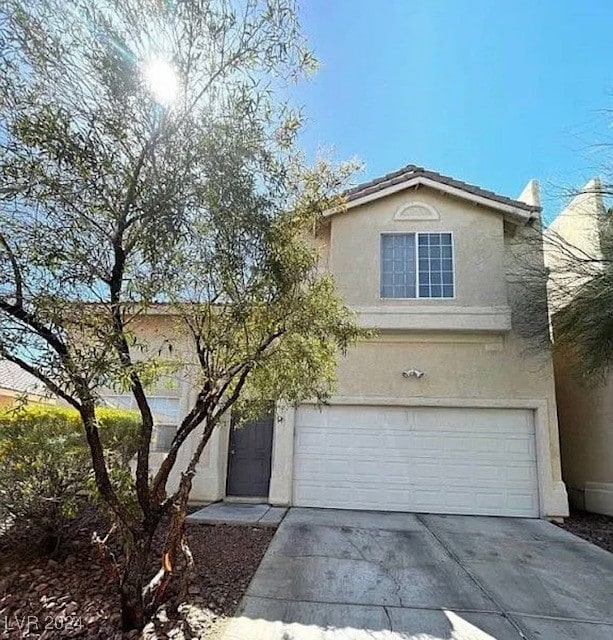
(436, 460)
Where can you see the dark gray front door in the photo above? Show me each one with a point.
(249, 458)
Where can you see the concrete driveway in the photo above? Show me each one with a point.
(353, 575)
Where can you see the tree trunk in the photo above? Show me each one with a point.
(133, 614)
(175, 544)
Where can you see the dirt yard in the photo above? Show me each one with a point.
(72, 596)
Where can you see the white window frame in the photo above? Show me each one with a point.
(133, 407)
(417, 234)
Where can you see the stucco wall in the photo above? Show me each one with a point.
(10, 398)
(586, 428)
(455, 365)
(489, 366)
(585, 413)
(578, 222)
(571, 240)
(477, 236)
(6, 400)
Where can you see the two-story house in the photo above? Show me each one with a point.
(445, 410)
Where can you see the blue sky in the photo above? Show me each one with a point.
(489, 91)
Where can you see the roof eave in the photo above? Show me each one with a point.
(514, 214)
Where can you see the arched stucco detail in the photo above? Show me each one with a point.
(416, 211)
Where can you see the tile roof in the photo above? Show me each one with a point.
(412, 171)
(15, 378)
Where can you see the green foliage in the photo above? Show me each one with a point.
(119, 431)
(113, 201)
(302, 364)
(45, 465)
(208, 196)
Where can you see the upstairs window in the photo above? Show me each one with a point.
(417, 265)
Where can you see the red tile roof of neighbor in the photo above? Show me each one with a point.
(412, 171)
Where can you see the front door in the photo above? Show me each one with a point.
(249, 458)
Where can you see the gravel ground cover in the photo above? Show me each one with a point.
(596, 528)
(73, 596)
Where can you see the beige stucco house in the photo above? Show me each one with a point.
(585, 408)
(445, 410)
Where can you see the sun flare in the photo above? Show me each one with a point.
(162, 80)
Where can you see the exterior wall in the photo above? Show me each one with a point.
(6, 400)
(585, 412)
(578, 222)
(477, 236)
(322, 244)
(9, 398)
(586, 434)
(466, 346)
(571, 238)
(454, 365)
(470, 370)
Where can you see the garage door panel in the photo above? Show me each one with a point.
(492, 474)
(418, 470)
(401, 458)
(421, 443)
(521, 447)
(522, 502)
(356, 417)
(481, 420)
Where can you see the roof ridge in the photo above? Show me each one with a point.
(409, 168)
(410, 171)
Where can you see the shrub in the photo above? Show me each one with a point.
(45, 466)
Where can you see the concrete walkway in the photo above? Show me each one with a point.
(255, 515)
(350, 575)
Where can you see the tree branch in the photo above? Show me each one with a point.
(16, 271)
(18, 312)
(37, 373)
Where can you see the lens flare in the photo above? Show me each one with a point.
(162, 80)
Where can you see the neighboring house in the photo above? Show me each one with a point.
(17, 385)
(585, 409)
(445, 410)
